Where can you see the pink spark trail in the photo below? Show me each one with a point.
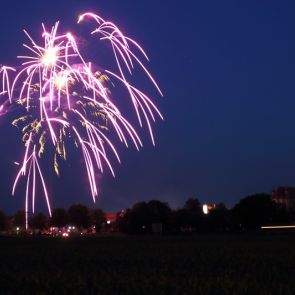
(64, 98)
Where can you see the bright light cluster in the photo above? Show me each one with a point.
(50, 57)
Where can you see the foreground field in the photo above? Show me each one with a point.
(148, 265)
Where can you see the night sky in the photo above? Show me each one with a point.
(227, 70)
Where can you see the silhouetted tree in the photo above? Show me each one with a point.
(282, 215)
(140, 218)
(4, 221)
(253, 211)
(19, 219)
(38, 221)
(180, 219)
(219, 219)
(123, 221)
(59, 217)
(97, 217)
(193, 215)
(79, 216)
(160, 212)
(193, 205)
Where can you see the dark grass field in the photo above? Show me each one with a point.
(207, 264)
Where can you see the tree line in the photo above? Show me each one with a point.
(146, 217)
(77, 215)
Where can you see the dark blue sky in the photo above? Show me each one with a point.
(227, 69)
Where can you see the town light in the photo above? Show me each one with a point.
(205, 209)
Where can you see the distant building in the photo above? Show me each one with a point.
(284, 196)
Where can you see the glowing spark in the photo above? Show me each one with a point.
(61, 81)
(50, 56)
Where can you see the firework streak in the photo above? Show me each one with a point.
(64, 97)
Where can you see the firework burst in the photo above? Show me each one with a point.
(64, 97)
